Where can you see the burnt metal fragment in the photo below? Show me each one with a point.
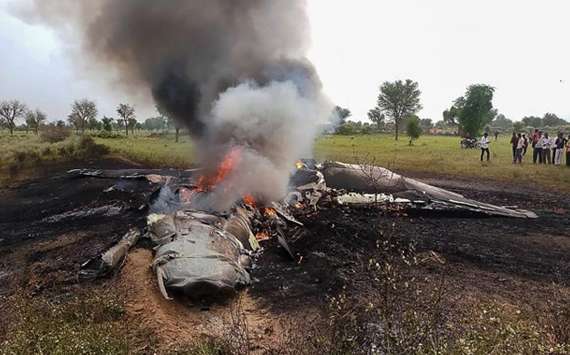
(111, 260)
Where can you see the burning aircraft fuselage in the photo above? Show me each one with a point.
(205, 253)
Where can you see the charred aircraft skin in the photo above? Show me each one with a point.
(209, 255)
(198, 257)
(366, 179)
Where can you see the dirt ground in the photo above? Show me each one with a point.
(47, 236)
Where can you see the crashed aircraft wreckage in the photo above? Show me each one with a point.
(205, 254)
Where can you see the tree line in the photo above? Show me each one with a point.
(399, 102)
(83, 117)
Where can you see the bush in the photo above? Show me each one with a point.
(53, 134)
(108, 135)
(24, 156)
(413, 128)
(88, 148)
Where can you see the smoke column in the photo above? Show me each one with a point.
(234, 73)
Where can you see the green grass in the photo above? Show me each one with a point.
(22, 154)
(85, 324)
(430, 155)
(443, 156)
(160, 151)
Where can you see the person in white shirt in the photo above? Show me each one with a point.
(553, 148)
(558, 149)
(546, 158)
(520, 148)
(485, 141)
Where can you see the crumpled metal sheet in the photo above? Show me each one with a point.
(197, 257)
(152, 175)
(368, 179)
(111, 260)
(103, 211)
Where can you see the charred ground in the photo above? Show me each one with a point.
(520, 263)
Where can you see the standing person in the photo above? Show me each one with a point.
(525, 144)
(546, 159)
(559, 149)
(485, 146)
(536, 150)
(568, 151)
(514, 144)
(497, 135)
(553, 148)
(519, 150)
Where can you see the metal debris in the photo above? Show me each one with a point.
(366, 180)
(197, 257)
(202, 254)
(103, 211)
(112, 260)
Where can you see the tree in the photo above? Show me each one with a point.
(475, 109)
(155, 124)
(532, 121)
(342, 114)
(502, 122)
(34, 119)
(10, 111)
(107, 124)
(170, 121)
(552, 120)
(413, 128)
(450, 117)
(399, 100)
(127, 114)
(82, 112)
(426, 124)
(518, 126)
(376, 116)
(132, 125)
(441, 125)
(93, 124)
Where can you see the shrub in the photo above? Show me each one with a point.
(108, 135)
(87, 147)
(53, 134)
(46, 151)
(24, 156)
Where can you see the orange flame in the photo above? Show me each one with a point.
(261, 236)
(228, 164)
(270, 212)
(207, 183)
(249, 200)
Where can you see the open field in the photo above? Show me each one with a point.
(25, 155)
(442, 156)
(430, 154)
(160, 151)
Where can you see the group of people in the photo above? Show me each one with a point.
(545, 149)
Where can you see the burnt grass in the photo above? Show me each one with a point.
(499, 256)
(513, 260)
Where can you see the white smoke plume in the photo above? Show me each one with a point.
(274, 126)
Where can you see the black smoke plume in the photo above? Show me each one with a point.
(191, 56)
